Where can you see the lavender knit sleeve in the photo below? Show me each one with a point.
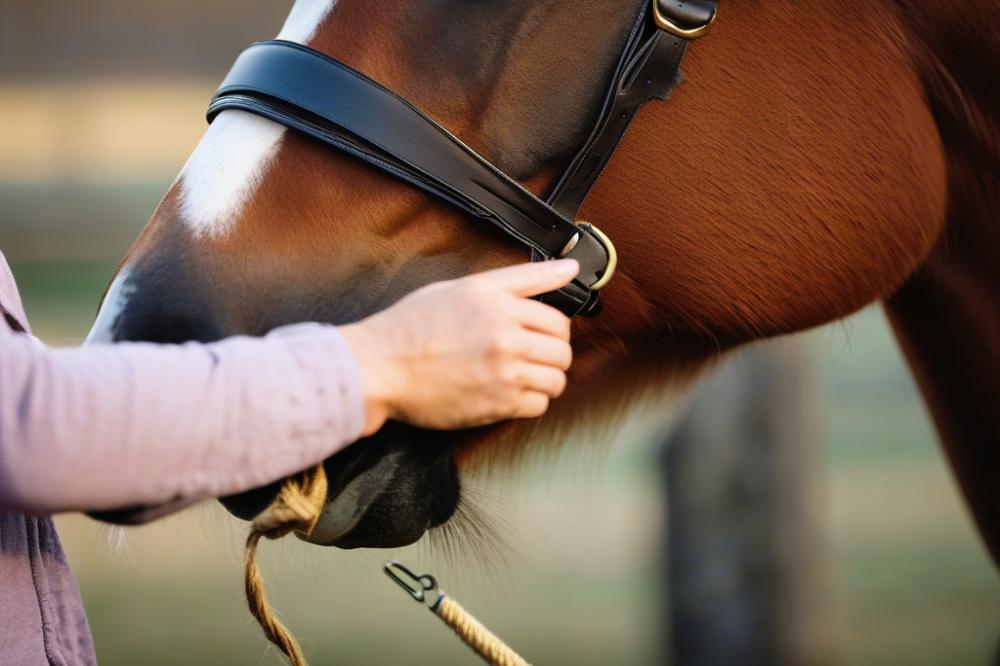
(103, 427)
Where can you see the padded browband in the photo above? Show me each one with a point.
(308, 91)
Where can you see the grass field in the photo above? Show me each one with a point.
(576, 579)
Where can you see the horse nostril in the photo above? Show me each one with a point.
(157, 324)
(151, 312)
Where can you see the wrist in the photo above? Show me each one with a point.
(376, 388)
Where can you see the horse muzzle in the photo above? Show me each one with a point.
(385, 491)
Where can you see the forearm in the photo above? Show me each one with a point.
(110, 426)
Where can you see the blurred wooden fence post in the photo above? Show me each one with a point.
(747, 572)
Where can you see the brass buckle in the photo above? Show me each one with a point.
(665, 24)
(609, 270)
(609, 247)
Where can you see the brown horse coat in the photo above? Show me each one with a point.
(818, 158)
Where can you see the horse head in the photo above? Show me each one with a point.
(737, 213)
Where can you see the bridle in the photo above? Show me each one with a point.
(310, 92)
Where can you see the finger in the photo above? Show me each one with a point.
(544, 350)
(531, 404)
(532, 278)
(541, 317)
(542, 378)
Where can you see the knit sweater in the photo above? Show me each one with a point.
(137, 425)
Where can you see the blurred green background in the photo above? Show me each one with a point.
(96, 129)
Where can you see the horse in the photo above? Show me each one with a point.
(816, 159)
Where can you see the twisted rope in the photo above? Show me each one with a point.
(474, 634)
(295, 509)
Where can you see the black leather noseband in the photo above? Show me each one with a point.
(307, 91)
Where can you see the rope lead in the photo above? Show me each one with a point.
(296, 509)
(472, 632)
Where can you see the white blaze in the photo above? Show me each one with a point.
(230, 161)
(305, 17)
(224, 171)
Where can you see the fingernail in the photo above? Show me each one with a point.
(564, 267)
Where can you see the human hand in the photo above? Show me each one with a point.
(466, 352)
